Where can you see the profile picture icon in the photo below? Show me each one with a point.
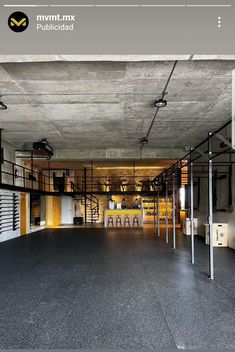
(18, 22)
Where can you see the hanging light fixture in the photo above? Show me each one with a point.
(2, 106)
(144, 140)
(160, 103)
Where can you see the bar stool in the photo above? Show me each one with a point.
(136, 220)
(118, 220)
(127, 220)
(110, 221)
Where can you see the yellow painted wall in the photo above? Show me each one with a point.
(183, 215)
(53, 211)
(24, 213)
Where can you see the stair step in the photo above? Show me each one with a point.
(92, 206)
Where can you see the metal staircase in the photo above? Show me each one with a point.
(90, 202)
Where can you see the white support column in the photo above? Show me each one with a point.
(158, 213)
(173, 211)
(154, 215)
(210, 209)
(166, 201)
(192, 214)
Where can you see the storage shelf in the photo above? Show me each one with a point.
(149, 209)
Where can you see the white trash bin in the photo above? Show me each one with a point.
(187, 226)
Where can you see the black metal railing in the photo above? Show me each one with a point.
(73, 180)
(90, 202)
(14, 174)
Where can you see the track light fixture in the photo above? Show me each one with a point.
(2, 106)
(160, 103)
(144, 140)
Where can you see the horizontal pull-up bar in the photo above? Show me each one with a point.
(188, 157)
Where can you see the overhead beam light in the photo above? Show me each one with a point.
(2, 106)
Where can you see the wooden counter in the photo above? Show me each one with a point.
(123, 218)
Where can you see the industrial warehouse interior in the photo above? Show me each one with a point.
(117, 195)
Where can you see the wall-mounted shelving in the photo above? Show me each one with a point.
(9, 212)
(148, 209)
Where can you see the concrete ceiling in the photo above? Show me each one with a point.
(97, 105)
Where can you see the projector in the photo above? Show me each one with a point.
(43, 148)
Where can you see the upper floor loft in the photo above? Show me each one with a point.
(51, 176)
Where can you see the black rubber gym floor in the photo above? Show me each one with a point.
(96, 288)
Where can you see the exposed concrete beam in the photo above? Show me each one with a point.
(118, 154)
(117, 58)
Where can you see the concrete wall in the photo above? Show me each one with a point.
(9, 155)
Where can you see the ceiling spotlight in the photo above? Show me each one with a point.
(2, 106)
(144, 140)
(160, 103)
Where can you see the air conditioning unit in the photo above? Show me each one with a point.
(43, 148)
(40, 149)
